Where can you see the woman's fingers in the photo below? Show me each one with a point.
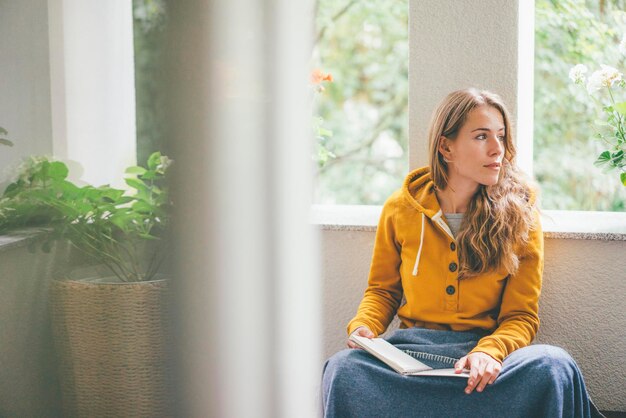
(486, 376)
(460, 365)
(365, 332)
(361, 332)
(496, 372)
(484, 371)
(474, 378)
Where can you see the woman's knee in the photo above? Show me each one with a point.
(557, 357)
(340, 364)
(548, 362)
(339, 373)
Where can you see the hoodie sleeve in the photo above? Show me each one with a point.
(518, 320)
(384, 291)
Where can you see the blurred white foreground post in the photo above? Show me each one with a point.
(246, 256)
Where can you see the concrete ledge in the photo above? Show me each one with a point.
(557, 224)
(20, 238)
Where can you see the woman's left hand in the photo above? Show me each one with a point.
(484, 370)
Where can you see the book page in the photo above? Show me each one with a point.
(400, 361)
(394, 357)
(441, 372)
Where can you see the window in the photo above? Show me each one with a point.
(364, 45)
(149, 18)
(569, 32)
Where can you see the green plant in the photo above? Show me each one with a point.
(119, 230)
(23, 202)
(4, 141)
(611, 128)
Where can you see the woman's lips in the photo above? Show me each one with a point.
(494, 166)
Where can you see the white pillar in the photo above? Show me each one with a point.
(247, 258)
(457, 44)
(526, 85)
(92, 88)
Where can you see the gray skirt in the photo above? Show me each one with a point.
(535, 381)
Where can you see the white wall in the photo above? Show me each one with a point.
(29, 386)
(67, 85)
(25, 81)
(581, 307)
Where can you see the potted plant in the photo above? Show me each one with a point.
(110, 319)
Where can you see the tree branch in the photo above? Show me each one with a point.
(341, 12)
(380, 127)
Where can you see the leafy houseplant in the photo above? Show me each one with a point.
(104, 223)
(112, 331)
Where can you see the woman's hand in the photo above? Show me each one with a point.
(361, 332)
(484, 370)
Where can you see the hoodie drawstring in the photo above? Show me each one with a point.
(419, 251)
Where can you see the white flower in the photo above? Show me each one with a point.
(577, 73)
(622, 45)
(605, 77)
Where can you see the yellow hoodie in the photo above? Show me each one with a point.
(414, 273)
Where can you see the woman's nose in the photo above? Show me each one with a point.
(497, 146)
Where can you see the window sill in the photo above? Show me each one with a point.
(557, 224)
(19, 238)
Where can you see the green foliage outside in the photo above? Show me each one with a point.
(364, 45)
(149, 20)
(569, 32)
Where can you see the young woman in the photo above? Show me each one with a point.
(458, 257)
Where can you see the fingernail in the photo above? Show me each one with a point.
(467, 391)
(479, 389)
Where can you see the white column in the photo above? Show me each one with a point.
(92, 87)
(458, 44)
(526, 85)
(249, 288)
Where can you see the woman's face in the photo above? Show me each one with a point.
(476, 154)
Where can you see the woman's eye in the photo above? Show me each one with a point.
(482, 136)
(501, 138)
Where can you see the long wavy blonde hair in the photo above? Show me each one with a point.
(499, 217)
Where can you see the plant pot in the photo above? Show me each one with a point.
(113, 343)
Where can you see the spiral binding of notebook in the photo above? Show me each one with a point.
(419, 355)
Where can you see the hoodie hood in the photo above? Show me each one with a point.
(419, 191)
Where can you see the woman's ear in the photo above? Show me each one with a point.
(444, 149)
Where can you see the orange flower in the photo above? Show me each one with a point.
(317, 76)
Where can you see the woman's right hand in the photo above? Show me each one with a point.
(361, 332)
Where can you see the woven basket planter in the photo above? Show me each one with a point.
(113, 343)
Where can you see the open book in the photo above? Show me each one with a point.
(401, 361)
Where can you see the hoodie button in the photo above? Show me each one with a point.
(452, 246)
(452, 267)
(450, 290)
